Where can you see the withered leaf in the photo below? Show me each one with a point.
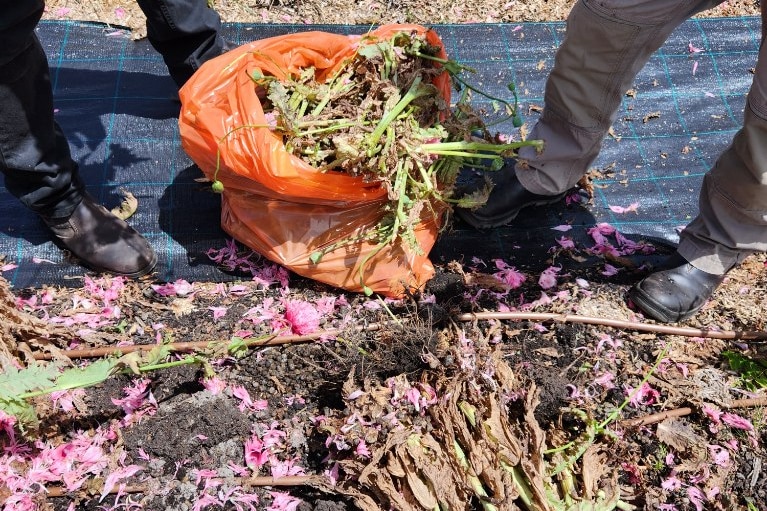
(678, 434)
(127, 207)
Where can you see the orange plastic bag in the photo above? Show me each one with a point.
(273, 201)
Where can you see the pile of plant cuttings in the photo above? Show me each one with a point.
(280, 394)
(467, 438)
(384, 117)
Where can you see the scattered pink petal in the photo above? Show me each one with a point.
(362, 449)
(218, 312)
(671, 483)
(566, 243)
(302, 316)
(508, 275)
(214, 385)
(548, 278)
(562, 228)
(283, 502)
(332, 474)
(136, 395)
(696, 497)
(119, 13)
(642, 396)
(719, 455)
(116, 475)
(694, 67)
(65, 398)
(693, 49)
(605, 380)
(255, 453)
(736, 421)
(62, 11)
(179, 288)
(632, 208)
(286, 468)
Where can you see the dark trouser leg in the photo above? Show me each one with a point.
(34, 155)
(185, 32)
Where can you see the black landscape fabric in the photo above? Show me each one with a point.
(119, 110)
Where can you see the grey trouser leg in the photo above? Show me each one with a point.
(732, 222)
(606, 44)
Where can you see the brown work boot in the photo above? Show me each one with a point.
(103, 242)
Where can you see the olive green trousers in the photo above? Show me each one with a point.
(607, 42)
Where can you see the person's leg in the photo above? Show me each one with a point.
(186, 33)
(607, 42)
(34, 155)
(35, 159)
(731, 222)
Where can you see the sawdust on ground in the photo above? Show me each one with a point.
(364, 12)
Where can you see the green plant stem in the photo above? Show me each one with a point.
(521, 484)
(425, 176)
(593, 431)
(454, 69)
(474, 481)
(465, 145)
(326, 129)
(414, 92)
(166, 365)
(466, 154)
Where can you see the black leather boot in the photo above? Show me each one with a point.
(507, 198)
(103, 242)
(676, 293)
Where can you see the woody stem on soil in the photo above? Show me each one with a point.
(646, 420)
(748, 335)
(275, 340)
(615, 323)
(58, 491)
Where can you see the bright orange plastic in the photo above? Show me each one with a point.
(273, 201)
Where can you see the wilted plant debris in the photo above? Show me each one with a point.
(384, 116)
(463, 435)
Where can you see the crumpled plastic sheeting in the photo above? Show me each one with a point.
(119, 110)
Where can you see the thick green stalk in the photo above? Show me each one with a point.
(327, 129)
(474, 481)
(521, 484)
(414, 92)
(464, 145)
(166, 365)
